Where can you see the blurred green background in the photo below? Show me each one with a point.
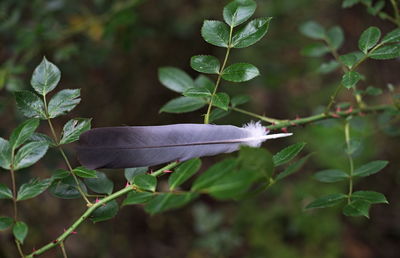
(112, 50)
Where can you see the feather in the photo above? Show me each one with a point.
(142, 146)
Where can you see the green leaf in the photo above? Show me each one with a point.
(357, 208)
(351, 59)
(168, 201)
(73, 129)
(369, 38)
(145, 182)
(45, 77)
(5, 154)
(386, 52)
(23, 132)
(197, 93)
(100, 184)
(238, 11)
(221, 100)
(315, 50)
(5, 192)
(335, 36)
(374, 10)
(39, 137)
(391, 37)
(352, 147)
(214, 173)
(183, 173)
(233, 185)
(175, 79)
(328, 67)
(372, 91)
(130, 173)
(292, 168)
(256, 159)
(251, 33)
(370, 168)
(105, 212)
(84, 172)
(218, 114)
(66, 188)
(60, 174)
(216, 33)
(349, 3)
(239, 100)
(20, 230)
(369, 196)
(240, 72)
(30, 104)
(350, 79)
(137, 198)
(5, 223)
(183, 105)
(331, 176)
(312, 30)
(204, 82)
(32, 189)
(288, 153)
(63, 102)
(29, 154)
(205, 64)
(327, 201)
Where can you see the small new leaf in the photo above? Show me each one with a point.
(238, 11)
(240, 72)
(369, 38)
(146, 182)
(183, 105)
(216, 33)
(183, 173)
(205, 64)
(288, 153)
(30, 104)
(312, 30)
(20, 230)
(63, 102)
(221, 100)
(370, 168)
(251, 33)
(197, 93)
(100, 183)
(32, 189)
(73, 129)
(327, 201)
(331, 176)
(5, 192)
(45, 77)
(350, 79)
(84, 172)
(175, 79)
(23, 132)
(29, 154)
(357, 208)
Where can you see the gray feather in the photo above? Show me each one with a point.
(140, 146)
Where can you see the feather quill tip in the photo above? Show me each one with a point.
(258, 134)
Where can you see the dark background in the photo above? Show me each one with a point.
(112, 50)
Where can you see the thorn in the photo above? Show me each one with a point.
(33, 249)
(335, 115)
(349, 110)
(177, 161)
(127, 184)
(74, 232)
(97, 200)
(297, 117)
(55, 241)
(150, 171)
(168, 171)
(284, 129)
(338, 110)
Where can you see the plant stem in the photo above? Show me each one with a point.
(340, 86)
(263, 118)
(57, 141)
(60, 239)
(167, 167)
(18, 244)
(330, 115)
(350, 158)
(63, 249)
(396, 12)
(207, 115)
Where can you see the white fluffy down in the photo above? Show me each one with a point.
(257, 132)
